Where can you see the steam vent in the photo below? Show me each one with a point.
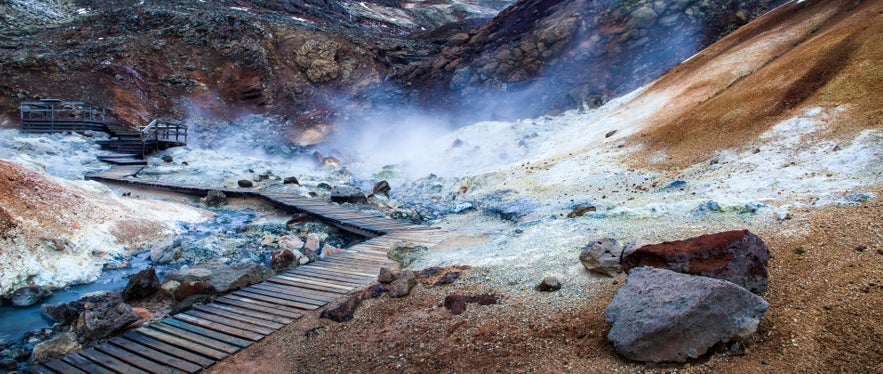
(323, 186)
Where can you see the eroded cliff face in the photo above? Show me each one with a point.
(542, 55)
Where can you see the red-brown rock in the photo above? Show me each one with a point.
(188, 289)
(281, 260)
(737, 256)
(344, 311)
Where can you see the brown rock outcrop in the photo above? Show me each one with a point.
(737, 256)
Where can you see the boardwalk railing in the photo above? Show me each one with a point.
(53, 115)
(161, 135)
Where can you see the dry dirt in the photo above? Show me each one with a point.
(826, 305)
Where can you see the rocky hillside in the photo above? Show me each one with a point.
(147, 59)
(307, 60)
(540, 55)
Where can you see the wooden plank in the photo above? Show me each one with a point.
(63, 367)
(274, 300)
(318, 274)
(40, 369)
(158, 356)
(244, 302)
(232, 322)
(253, 319)
(110, 362)
(194, 345)
(335, 269)
(83, 364)
(310, 283)
(275, 296)
(315, 297)
(207, 338)
(324, 272)
(171, 350)
(218, 327)
(133, 359)
(277, 320)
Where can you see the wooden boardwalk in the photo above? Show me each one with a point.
(191, 341)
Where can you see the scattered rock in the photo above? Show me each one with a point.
(404, 253)
(382, 188)
(375, 291)
(187, 275)
(449, 278)
(56, 347)
(171, 286)
(214, 198)
(142, 313)
(428, 272)
(62, 313)
(386, 276)
(660, 315)
(313, 332)
(549, 284)
(456, 303)
(188, 289)
(610, 133)
(581, 211)
(737, 256)
(348, 195)
(245, 183)
(328, 250)
(344, 311)
(141, 285)
(312, 242)
(282, 259)
(227, 278)
(102, 322)
(290, 180)
(27, 296)
(402, 286)
(602, 256)
(167, 159)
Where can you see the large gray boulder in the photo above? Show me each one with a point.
(660, 315)
(227, 278)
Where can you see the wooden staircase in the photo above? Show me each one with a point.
(127, 146)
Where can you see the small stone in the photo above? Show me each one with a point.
(290, 180)
(167, 159)
(344, 311)
(581, 211)
(382, 188)
(386, 275)
(861, 248)
(281, 260)
(375, 291)
(214, 198)
(602, 256)
(348, 195)
(141, 285)
(402, 286)
(799, 250)
(764, 362)
(549, 284)
(27, 296)
(456, 303)
(56, 347)
(188, 289)
(245, 183)
(405, 252)
(609, 134)
(329, 250)
(142, 313)
(449, 278)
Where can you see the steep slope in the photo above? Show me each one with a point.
(540, 55)
(55, 232)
